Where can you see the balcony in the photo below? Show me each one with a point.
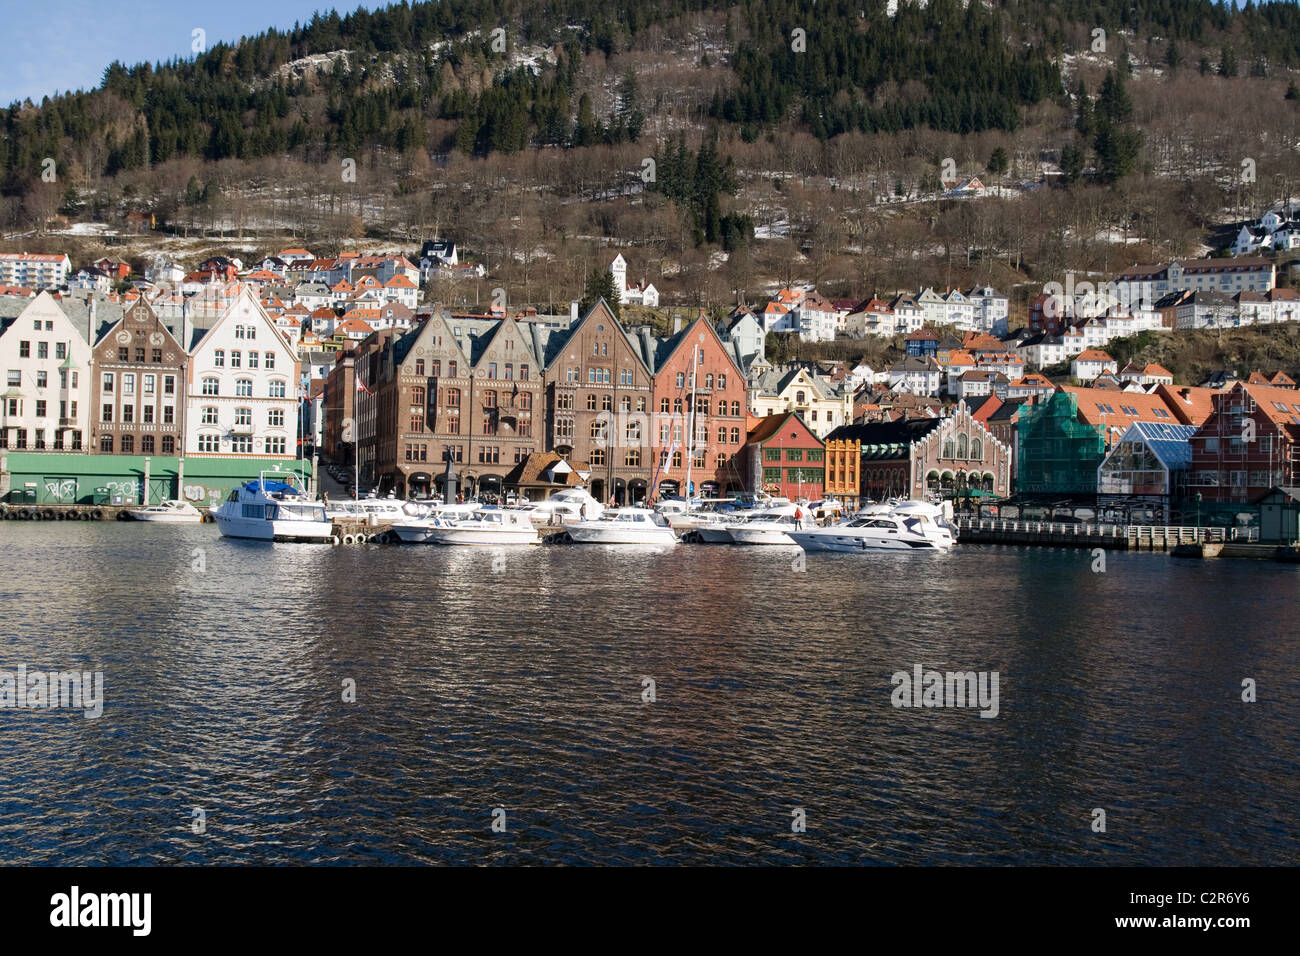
(67, 423)
(241, 429)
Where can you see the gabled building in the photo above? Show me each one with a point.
(919, 376)
(1149, 466)
(1249, 444)
(594, 373)
(138, 387)
(241, 387)
(47, 396)
(783, 457)
(822, 404)
(694, 369)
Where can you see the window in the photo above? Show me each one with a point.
(128, 413)
(632, 457)
(708, 381)
(677, 406)
(490, 399)
(633, 431)
(720, 462)
(437, 368)
(219, 358)
(771, 454)
(735, 436)
(591, 402)
(419, 370)
(244, 387)
(275, 446)
(677, 459)
(168, 445)
(147, 412)
(641, 403)
(235, 359)
(276, 388)
(157, 356)
(128, 384)
(599, 430)
(526, 401)
(722, 436)
(606, 403)
(275, 417)
(252, 360)
(106, 412)
(270, 360)
(208, 443)
(663, 405)
(209, 415)
(722, 382)
(243, 416)
(60, 350)
(794, 454)
(681, 379)
(492, 369)
(563, 400)
(139, 355)
(106, 384)
(451, 368)
(128, 444)
(210, 386)
(453, 397)
(106, 443)
(146, 445)
(42, 379)
(241, 445)
(40, 408)
(523, 373)
(169, 414)
(149, 381)
(597, 457)
(24, 349)
(489, 454)
(417, 421)
(453, 421)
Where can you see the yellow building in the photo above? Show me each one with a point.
(843, 461)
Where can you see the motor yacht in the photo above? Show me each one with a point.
(485, 526)
(909, 526)
(435, 516)
(565, 505)
(171, 512)
(772, 527)
(274, 507)
(624, 526)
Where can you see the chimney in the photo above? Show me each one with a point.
(1187, 395)
(573, 311)
(677, 324)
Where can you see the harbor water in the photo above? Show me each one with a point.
(299, 704)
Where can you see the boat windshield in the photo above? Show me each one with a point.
(287, 512)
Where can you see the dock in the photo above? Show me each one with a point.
(1181, 541)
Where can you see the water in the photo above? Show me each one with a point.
(521, 688)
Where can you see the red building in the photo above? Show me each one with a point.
(694, 369)
(783, 457)
(1249, 444)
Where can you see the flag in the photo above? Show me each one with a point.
(361, 386)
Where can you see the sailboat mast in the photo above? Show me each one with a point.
(690, 440)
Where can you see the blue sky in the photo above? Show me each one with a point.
(87, 36)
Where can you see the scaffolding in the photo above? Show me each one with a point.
(1057, 453)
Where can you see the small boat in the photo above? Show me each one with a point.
(486, 526)
(716, 530)
(420, 529)
(565, 505)
(909, 526)
(624, 526)
(171, 512)
(384, 509)
(273, 508)
(773, 527)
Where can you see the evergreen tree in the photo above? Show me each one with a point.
(599, 285)
(998, 163)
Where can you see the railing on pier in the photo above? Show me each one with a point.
(1136, 537)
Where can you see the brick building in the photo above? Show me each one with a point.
(782, 456)
(1249, 444)
(138, 389)
(695, 369)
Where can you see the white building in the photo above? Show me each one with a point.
(46, 402)
(641, 294)
(990, 309)
(242, 396)
(1090, 363)
(35, 270)
(917, 376)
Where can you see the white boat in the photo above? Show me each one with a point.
(565, 505)
(420, 530)
(773, 527)
(172, 512)
(486, 526)
(384, 509)
(624, 526)
(274, 507)
(909, 526)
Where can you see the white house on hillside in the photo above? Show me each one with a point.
(641, 294)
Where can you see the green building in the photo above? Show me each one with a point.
(54, 479)
(1057, 453)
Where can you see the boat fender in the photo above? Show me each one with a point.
(49, 514)
(334, 540)
(349, 539)
(96, 515)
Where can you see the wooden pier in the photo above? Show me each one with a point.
(1109, 536)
